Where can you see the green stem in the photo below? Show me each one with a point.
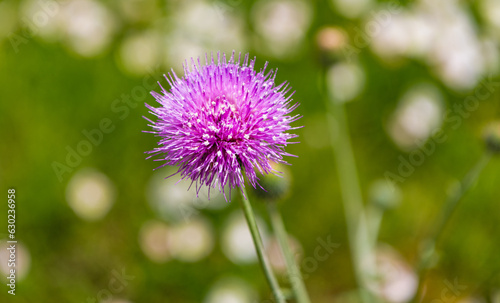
(293, 270)
(374, 216)
(359, 238)
(449, 208)
(259, 247)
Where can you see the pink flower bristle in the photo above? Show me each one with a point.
(223, 121)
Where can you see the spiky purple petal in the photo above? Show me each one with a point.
(222, 120)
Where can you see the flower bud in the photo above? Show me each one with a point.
(384, 194)
(277, 187)
(331, 42)
(331, 39)
(492, 137)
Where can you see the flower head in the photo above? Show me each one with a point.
(222, 121)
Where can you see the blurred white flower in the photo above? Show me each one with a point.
(418, 114)
(230, 290)
(420, 31)
(397, 282)
(237, 243)
(407, 33)
(90, 194)
(23, 260)
(282, 24)
(384, 194)
(171, 199)
(331, 38)
(457, 53)
(393, 39)
(179, 47)
(86, 26)
(192, 240)
(443, 34)
(140, 52)
(42, 18)
(201, 27)
(345, 81)
(154, 238)
(352, 8)
(189, 241)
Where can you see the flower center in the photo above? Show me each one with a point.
(220, 121)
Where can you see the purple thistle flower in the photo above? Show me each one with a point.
(222, 119)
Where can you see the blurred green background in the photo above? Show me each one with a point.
(102, 226)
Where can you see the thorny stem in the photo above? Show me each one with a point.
(259, 247)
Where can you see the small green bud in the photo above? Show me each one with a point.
(492, 137)
(276, 187)
(384, 195)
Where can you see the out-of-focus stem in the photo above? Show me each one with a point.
(359, 238)
(293, 270)
(374, 216)
(449, 208)
(259, 247)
